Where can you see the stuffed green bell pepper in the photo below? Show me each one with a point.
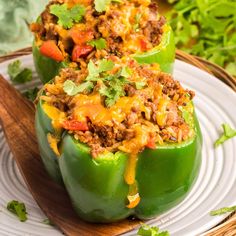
(122, 137)
(125, 28)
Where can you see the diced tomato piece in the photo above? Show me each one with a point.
(75, 125)
(50, 49)
(81, 37)
(143, 45)
(151, 143)
(80, 51)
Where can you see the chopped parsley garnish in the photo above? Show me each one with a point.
(19, 75)
(31, 94)
(223, 210)
(98, 43)
(112, 85)
(18, 209)
(227, 134)
(66, 16)
(146, 230)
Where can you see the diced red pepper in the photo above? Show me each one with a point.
(50, 49)
(151, 143)
(80, 51)
(143, 45)
(81, 37)
(75, 125)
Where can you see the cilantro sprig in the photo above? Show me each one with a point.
(223, 210)
(67, 17)
(227, 134)
(98, 43)
(17, 208)
(112, 85)
(146, 230)
(19, 75)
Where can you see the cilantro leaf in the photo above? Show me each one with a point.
(18, 209)
(31, 94)
(72, 89)
(98, 43)
(146, 230)
(222, 211)
(140, 84)
(93, 71)
(17, 74)
(66, 17)
(101, 5)
(105, 65)
(126, 72)
(102, 66)
(14, 69)
(112, 84)
(228, 134)
(114, 89)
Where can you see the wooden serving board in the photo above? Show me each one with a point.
(17, 119)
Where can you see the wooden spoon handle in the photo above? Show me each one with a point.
(17, 117)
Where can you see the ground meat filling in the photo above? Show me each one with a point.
(140, 118)
(127, 27)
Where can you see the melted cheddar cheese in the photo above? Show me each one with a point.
(55, 115)
(90, 106)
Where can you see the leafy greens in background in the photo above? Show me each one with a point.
(206, 28)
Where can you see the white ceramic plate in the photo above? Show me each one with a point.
(214, 188)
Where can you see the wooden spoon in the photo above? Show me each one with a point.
(17, 118)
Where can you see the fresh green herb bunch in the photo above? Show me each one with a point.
(206, 28)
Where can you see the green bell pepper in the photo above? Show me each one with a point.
(46, 67)
(163, 54)
(97, 186)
